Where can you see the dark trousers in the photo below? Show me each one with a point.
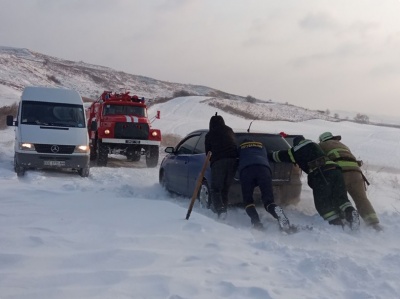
(330, 194)
(222, 174)
(253, 176)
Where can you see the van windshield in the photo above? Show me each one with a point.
(52, 114)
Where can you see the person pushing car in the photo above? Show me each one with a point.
(353, 177)
(254, 170)
(325, 179)
(221, 142)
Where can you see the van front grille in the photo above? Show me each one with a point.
(54, 148)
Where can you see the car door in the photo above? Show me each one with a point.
(196, 164)
(180, 164)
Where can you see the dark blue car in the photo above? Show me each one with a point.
(181, 167)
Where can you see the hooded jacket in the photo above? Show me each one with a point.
(220, 140)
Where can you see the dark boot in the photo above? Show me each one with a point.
(336, 221)
(254, 217)
(258, 226)
(278, 214)
(217, 206)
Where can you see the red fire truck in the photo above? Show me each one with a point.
(118, 124)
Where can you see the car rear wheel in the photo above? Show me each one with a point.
(204, 196)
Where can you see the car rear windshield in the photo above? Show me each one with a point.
(272, 142)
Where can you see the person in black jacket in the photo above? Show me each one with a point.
(220, 141)
(325, 179)
(254, 170)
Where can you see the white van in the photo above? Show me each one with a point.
(50, 131)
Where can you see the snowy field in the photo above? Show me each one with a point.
(118, 234)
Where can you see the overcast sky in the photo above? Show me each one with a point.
(318, 54)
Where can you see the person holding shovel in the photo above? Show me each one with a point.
(221, 142)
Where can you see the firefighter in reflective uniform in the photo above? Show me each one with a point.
(325, 179)
(354, 179)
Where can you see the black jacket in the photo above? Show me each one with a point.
(220, 140)
(308, 155)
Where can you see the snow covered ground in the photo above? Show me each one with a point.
(118, 234)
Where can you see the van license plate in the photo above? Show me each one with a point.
(54, 163)
(132, 141)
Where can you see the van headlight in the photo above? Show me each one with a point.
(25, 146)
(82, 149)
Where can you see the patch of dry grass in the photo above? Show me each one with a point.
(170, 140)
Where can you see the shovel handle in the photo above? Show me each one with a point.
(198, 184)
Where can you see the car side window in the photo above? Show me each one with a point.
(188, 146)
(200, 147)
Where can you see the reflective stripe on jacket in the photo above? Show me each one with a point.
(341, 154)
(302, 154)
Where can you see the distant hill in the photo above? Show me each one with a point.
(23, 67)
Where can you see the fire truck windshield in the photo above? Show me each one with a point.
(124, 110)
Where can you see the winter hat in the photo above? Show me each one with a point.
(327, 136)
(216, 121)
(298, 139)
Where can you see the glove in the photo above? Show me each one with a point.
(269, 154)
(360, 163)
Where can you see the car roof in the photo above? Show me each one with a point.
(237, 132)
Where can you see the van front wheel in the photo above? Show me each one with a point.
(84, 172)
(18, 168)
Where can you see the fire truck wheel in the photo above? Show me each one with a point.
(102, 154)
(152, 156)
(93, 151)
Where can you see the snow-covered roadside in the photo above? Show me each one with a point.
(117, 234)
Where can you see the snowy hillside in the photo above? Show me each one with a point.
(118, 234)
(22, 67)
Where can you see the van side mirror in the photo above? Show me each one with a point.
(10, 121)
(93, 125)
